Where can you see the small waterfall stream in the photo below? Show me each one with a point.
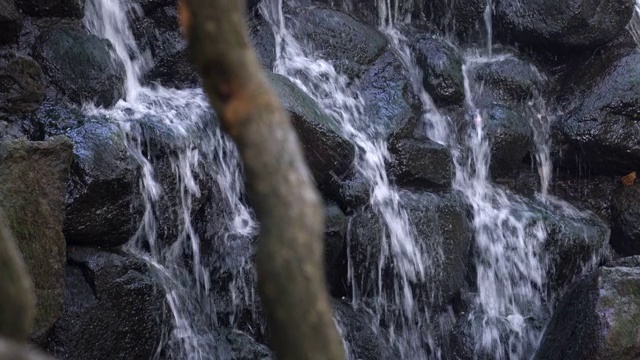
(178, 124)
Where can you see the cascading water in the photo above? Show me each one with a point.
(179, 125)
(401, 250)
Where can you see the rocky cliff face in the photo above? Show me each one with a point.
(71, 189)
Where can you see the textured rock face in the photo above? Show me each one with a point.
(569, 24)
(598, 318)
(111, 309)
(55, 8)
(10, 22)
(21, 83)
(81, 65)
(33, 178)
(625, 215)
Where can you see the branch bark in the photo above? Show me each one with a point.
(289, 259)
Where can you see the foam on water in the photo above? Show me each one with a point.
(180, 125)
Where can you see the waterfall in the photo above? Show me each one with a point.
(179, 125)
(401, 250)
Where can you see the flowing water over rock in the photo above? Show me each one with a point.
(158, 122)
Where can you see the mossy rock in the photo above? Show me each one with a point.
(33, 184)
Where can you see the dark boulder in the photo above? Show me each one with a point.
(21, 84)
(81, 65)
(334, 250)
(563, 24)
(338, 38)
(157, 34)
(460, 17)
(361, 339)
(599, 129)
(625, 214)
(263, 41)
(111, 310)
(174, 71)
(148, 6)
(441, 231)
(328, 153)
(10, 22)
(510, 137)
(53, 8)
(598, 317)
(441, 65)
(387, 93)
(33, 178)
(417, 161)
(101, 200)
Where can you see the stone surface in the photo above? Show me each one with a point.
(111, 309)
(101, 202)
(33, 178)
(328, 153)
(599, 130)
(625, 214)
(334, 249)
(563, 24)
(81, 65)
(21, 83)
(510, 136)
(10, 22)
(598, 318)
(52, 8)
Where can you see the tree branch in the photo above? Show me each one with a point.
(289, 260)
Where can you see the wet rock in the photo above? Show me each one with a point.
(441, 227)
(81, 65)
(456, 16)
(511, 81)
(243, 347)
(33, 177)
(13, 351)
(334, 251)
(418, 161)
(174, 71)
(264, 42)
(328, 153)
(563, 24)
(53, 8)
(158, 35)
(510, 137)
(149, 6)
(625, 214)
(101, 193)
(598, 317)
(350, 192)
(441, 65)
(599, 130)
(111, 309)
(363, 341)
(21, 83)
(387, 94)
(592, 193)
(10, 22)
(338, 38)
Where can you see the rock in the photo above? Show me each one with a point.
(563, 24)
(243, 347)
(598, 317)
(149, 6)
(599, 129)
(21, 83)
(387, 94)
(418, 161)
(81, 65)
(158, 35)
(351, 192)
(328, 153)
(264, 42)
(510, 81)
(594, 193)
(441, 65)
(363, 341)
(443, 233)
(17, 308)
(338, 38)
(101, 200)
(53, 8)
(456, 16)
(334, 250)
(510, 136)
(33, 178)
(174, 71)
(111, 309)
(14, 351)
(625, 215)
(10, 22)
